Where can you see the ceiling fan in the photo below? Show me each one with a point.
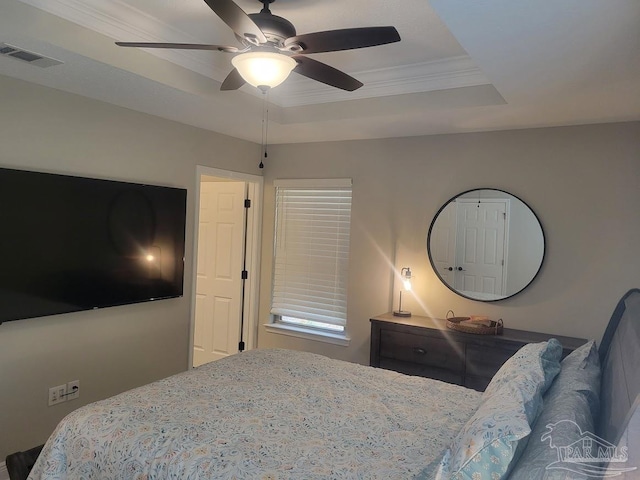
(271, 49)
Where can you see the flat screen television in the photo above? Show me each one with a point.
(71, 243)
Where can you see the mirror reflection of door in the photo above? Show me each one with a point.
(479, 268)
(443, 243)
(486, 244)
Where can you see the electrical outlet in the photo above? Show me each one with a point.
(73, 389)
(57, 394)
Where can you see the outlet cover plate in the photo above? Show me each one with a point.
(57, 394)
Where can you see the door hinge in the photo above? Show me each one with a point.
(245, 275)
(247, 203)
(241, 346)
(504, 215)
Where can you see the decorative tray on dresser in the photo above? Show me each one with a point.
(425, 347)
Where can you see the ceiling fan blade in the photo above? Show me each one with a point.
(237, 20)
(346, 39)
(184, 46)
(325, 74)
(233, 81)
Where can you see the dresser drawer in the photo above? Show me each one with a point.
(485, 362)
(422, 370)
(423, 350)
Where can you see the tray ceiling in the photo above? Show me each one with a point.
(461, 66)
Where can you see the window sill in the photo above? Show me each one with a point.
(308, 333)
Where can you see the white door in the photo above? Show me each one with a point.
(443, 243)
(480, 247)
(219, 271)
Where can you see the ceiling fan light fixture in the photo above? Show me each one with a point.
(264, 69)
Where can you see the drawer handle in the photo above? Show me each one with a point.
(419, 351)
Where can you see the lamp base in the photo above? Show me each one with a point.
(401, 313)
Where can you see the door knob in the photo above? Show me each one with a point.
(450, 269)
(460, 269)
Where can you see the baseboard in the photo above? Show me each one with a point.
(4, 473)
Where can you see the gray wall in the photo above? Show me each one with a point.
(583, 182)
(113, 349)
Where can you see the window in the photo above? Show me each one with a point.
(311, 256)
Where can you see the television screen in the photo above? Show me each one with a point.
(71, 243)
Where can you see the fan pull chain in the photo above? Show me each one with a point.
(265, 126)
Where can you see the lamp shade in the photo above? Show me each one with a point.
(263, 69)
(406, 278)
(405, 274)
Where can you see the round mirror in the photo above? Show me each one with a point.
(486, 244)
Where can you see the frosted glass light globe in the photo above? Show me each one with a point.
(264, 69)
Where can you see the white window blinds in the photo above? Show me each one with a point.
(313, 220)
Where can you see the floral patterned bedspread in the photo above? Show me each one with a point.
(263, 414)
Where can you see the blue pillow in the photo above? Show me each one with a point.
(570, 407)
(496, 434)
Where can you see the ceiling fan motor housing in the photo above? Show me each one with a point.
(275, 28)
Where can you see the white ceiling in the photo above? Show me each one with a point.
(462, 65)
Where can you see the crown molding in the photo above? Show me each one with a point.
(442, 74)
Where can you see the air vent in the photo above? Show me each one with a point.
(26, 56)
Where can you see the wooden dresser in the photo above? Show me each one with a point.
(426, 347)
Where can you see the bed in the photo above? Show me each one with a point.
(279, 414)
